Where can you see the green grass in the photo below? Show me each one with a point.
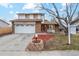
(60, 43)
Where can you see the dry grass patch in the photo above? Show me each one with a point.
(60, 43)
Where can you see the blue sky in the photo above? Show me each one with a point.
(8, 10)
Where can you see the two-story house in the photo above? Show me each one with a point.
(27, 23)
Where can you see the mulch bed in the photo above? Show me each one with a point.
(45, 36)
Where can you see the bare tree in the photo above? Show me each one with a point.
(69, 12)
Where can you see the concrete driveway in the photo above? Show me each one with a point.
(15, 42)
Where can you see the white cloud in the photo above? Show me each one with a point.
(29, 6)
(17, 12)
(1, 17)
(63, 4)
(15, 16)
(36, 11)
(46, 16)
(6, 5)
(10, 6)
(53, 10)
(11, 12)
(63, 7)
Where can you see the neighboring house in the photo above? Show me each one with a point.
(74, 28)
(3, 24)
(27, 23)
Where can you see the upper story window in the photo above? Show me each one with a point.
(39, 16)
(26, 16)
(21, 16)
(31, 17)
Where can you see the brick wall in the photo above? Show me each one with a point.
(38, 27)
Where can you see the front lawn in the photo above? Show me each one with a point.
(60, 43)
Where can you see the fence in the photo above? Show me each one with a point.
(5, 31)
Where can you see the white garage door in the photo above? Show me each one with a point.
(25, 28)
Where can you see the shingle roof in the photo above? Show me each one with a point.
(30, 13)
(54, 22)
(49, 22)
(4, 21)
(46, 22)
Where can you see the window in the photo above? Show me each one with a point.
(32, 24)
(35, 16)
(77, 28)
(27, 16)
(17, 24)
(27, 24)
(21, 25)
(39, 16)
(21, 16)
(31, 16)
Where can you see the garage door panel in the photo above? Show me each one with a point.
(25, 29)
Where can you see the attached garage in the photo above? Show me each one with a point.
(25, 28)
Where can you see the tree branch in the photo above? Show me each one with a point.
(48, 10)
(56, 9)
(74, 11)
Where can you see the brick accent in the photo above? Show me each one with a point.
(13, 27)
(38, 27)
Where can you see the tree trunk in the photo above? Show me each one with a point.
(66, 32)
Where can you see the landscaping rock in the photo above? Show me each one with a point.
(35, 46)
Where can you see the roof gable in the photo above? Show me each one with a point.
(49, 22)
